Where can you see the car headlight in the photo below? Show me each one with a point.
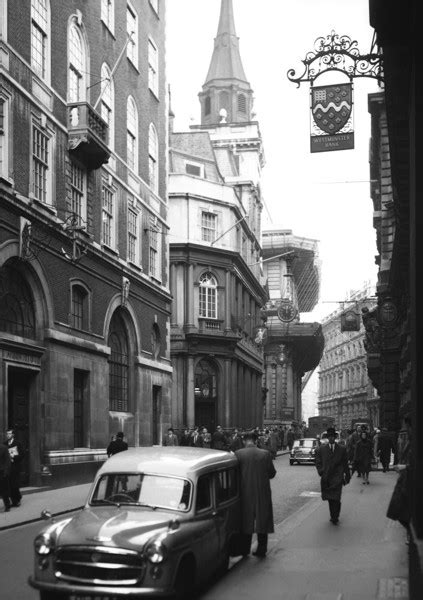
(43, 544)
(156, 552)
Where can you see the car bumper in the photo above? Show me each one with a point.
(303, 458)
(99, 592)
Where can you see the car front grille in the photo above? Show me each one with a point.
(99, 565)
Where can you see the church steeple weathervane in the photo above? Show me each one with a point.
(226, 93)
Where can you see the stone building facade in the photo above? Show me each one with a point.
(215, 209)
(84, 290)
(345, 389)
(292, 348)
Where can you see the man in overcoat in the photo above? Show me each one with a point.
(332, 466)
(16, 453)
(256, 469)
(117, 445)
(4, 476)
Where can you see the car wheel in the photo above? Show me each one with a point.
(185, 579)
(291, 462)
(51, 596)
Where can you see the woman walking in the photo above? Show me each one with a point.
(363, 456)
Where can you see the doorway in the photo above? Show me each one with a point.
(18, 395)
(205, 391)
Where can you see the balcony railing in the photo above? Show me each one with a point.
(88, 135)
(209, 325)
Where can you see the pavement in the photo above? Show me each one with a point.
(364, 557)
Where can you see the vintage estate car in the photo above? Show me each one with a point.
(304, 451)
(158, 521)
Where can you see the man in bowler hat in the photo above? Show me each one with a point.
(332, 466)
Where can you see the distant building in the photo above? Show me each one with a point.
(345, 389)
(215, 209)
(84, 291)
(292, 349)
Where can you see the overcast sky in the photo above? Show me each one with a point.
(324, 196)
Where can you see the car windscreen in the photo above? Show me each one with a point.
(306, 443)
(143, 489)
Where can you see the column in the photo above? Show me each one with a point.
(190, 392)
(228, 297)
(189, 297)
(227, 393)
(173, 289)
(280, 392)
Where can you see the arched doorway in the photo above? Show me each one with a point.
(205, 391)
(118, 364)
(17, 317)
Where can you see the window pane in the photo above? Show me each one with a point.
(40, 158)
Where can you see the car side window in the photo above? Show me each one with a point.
(203, 493)
(226, 485)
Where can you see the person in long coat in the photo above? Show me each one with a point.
(363, 456)
(256, 469)
(385, 445)
(332, 466)
(218, 440)
(4, 476)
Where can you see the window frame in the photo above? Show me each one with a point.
(108, 217)
(153, 66)
(36, 125)
(155, 6)
(79, 71)
(208, 305)
(78, 169)
(5, 137)
(132, 135)
(133, 238)
(153, 158)
(208, 234)
(107, 14)
(133, 43)
(45, 31)
(85, 323)
(107, 102)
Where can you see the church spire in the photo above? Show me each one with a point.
(226, 86)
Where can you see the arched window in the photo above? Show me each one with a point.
(118, 364)
(242, 103)
(108, 101)
(207, 105)
(77, 64)
(208, 296)
(153, 165)
(40, 37)
(79, 307)
(132, 134)
(17, 314)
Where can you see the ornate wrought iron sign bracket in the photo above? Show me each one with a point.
(338, 53)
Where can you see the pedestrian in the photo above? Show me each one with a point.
(290, 437)
(332, 466)
(196, 438)
(355, 436)
(385, 445)
(117, 445)
(4, 476)
(218, 440)
(273, 442)
(206, 437)
(235, 440)
(399, 508)
(16, 456)
(363, 456)
(186, 437)
(170, 439)
(256, 471)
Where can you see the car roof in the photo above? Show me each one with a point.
(167, 460)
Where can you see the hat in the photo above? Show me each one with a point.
(119, 434)
(330, 431)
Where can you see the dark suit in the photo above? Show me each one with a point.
(4, 476)
(16, 456)
(334, 473)
(118, 445)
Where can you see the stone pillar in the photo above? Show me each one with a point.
(189, 297)
(190, 392)
(227, 393)
(228, 298)
(173, 289)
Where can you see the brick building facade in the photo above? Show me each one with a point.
(84, 298)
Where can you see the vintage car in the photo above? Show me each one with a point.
(304, 451)
(158, 521)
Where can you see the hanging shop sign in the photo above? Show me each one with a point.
(331, 126)
(350, 321)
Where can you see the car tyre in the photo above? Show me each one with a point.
(51, 596)
(185, 579)
(291, 462)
